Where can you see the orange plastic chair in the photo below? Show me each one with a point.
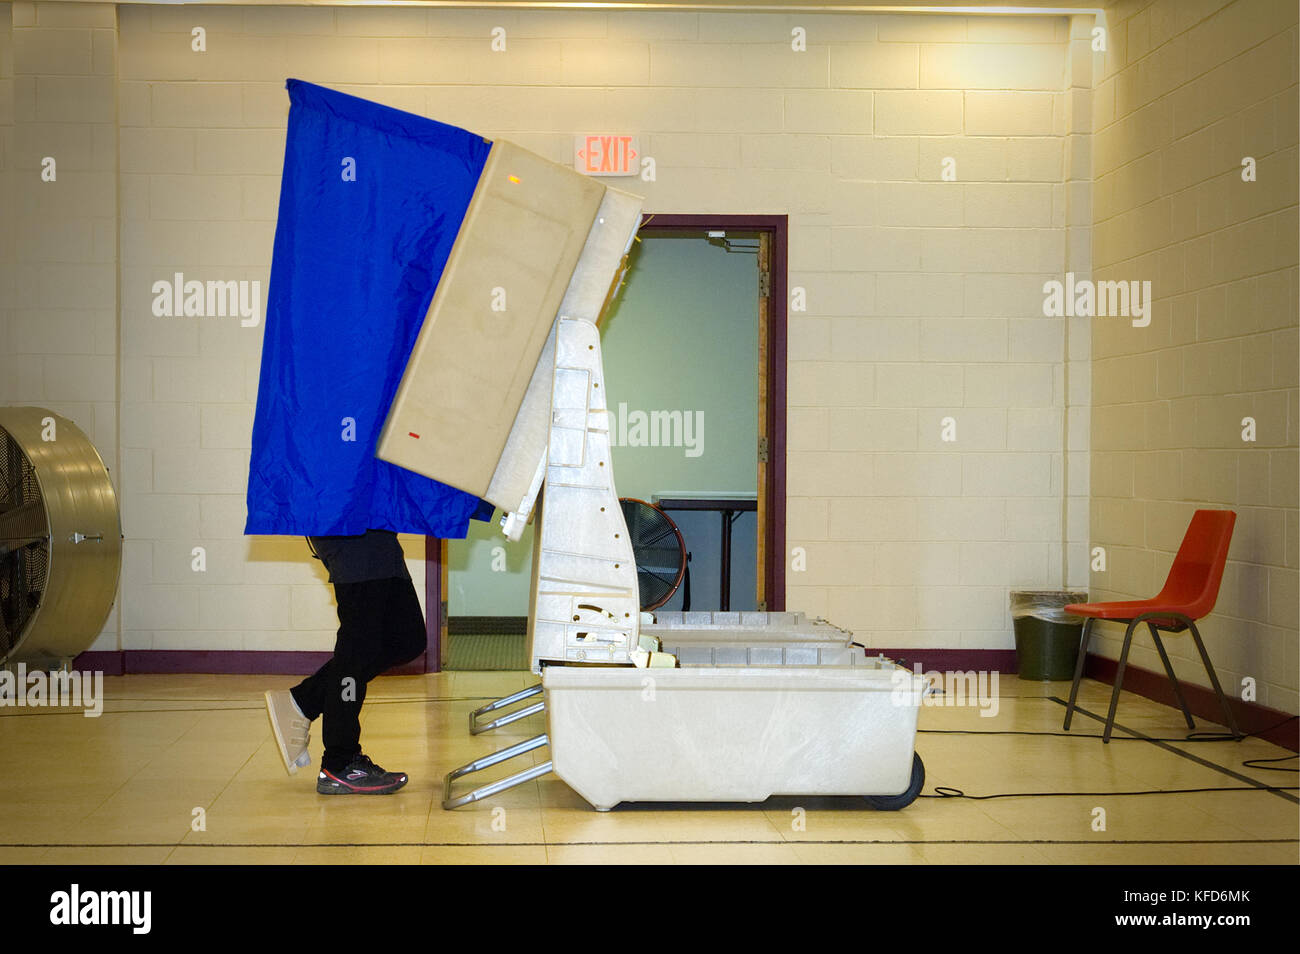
(1188, 595)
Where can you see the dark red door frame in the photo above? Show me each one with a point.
(433, 602)
(777, 226)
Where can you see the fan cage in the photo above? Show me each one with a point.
(24, 563)
(659, 550)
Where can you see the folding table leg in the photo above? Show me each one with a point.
(1078, 670)
(1169, 669)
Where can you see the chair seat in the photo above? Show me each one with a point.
(1125, 610)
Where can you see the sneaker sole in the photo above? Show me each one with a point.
(290, 765)
(343, 790)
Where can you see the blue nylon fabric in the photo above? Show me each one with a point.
(354, 269)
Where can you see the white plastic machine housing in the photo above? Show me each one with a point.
(585, 602)
(592, 285)
(585, 605)
(753, 639)
(733, 733)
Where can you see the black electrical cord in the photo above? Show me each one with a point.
(944, 791)
(1192, 737)
(1203, 736)
(1256, 764)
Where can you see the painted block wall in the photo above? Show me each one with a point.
(921, 298)
(1186, 92)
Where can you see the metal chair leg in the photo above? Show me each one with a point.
(1078, 670)
(1214, 681)
(1119, 681)
(1169, 670)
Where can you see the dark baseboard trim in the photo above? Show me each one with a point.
(488, 625)
(1252, 717)
(108, 662)
(133, 662)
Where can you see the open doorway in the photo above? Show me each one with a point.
(694, 354)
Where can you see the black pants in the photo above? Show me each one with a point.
(380, 626)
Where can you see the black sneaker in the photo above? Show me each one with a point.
(361, 777)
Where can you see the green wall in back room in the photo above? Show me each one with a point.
(682, 336)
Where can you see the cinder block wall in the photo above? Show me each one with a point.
(59, 337)
(1187, 92)
(925, 304)
(924, 296)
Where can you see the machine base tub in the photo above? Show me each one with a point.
(728, 734)
(709, 638)
(753, 639)
(724, 734)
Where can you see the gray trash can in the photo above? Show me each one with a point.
(1047, 638)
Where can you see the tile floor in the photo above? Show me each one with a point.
(127, 787)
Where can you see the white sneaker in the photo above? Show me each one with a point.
(291, 729)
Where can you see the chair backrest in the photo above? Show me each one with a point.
(1194, 578)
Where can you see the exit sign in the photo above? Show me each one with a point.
(606, 155)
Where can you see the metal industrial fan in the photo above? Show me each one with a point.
(659, 549)
(60, 538)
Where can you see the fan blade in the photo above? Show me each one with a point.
(22, 525)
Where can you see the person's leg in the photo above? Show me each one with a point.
(368, 607)
(380, 626)
(308, 695)
(404, 634)
(337, 690)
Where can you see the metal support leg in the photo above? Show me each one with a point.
(475, 727)
(1078, 670)
(519, 748)
(724, 574)
(1169, 670)
(1119, 681)
(1214, 681)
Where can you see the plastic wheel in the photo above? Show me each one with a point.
(892, 803)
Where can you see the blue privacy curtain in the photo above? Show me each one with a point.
(370, 202)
